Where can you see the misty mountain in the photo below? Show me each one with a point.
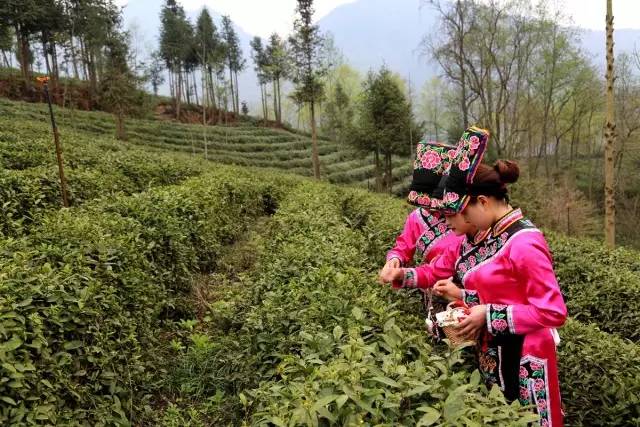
(369, 33)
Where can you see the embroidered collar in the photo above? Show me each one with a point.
(507, 220)
(480, 236)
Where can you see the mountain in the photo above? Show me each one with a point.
(375, 32)
(369, 33)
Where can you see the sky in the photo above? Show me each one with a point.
(263, 17)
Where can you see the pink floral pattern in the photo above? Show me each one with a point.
(424, 200)
(435, 227)
(410, 277)
(523, 372)
(464, 164)
(499, 325)
(474, 142)
(499, 319)
(534, 389)
(430, 159)
(451, 197)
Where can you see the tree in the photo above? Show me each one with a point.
(384, 120)
(6, 43)
(433, 108)
(307, 57)
(259, 57)
(610, 140)
(245, 109)
(23, 16)
(338, 114)
(155, 71)
(119, 93)
(277, 64)
(235, 61)
(176, 44)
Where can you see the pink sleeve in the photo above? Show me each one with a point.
(426, 275)
(405, 246)
(545, 307)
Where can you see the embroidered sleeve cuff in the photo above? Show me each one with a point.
(410, 279)
(394, 255)
(470, 297)
(500, 319)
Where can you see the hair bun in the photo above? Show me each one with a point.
(508, 170)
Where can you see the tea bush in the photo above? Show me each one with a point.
(82, 299)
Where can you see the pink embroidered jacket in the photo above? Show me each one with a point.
(425, 236)
(510, 269)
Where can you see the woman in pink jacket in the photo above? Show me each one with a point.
(425, 234)
(508, 280)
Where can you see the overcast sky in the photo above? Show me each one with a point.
(263, 17)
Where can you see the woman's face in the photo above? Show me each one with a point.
(459, 225)
(480, 212)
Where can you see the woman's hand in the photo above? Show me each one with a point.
(393, 263)
(391, 275)
(473, 324)
(447, 289)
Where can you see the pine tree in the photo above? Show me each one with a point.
(384, 121)
(119, 87)
(6, 43)
(258, 55)
(208, 47)
(176, 45)
(235, 61)
(155, 72)
(308, 67)
(278, 69)
(338, 114)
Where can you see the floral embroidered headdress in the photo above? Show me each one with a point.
(452, 193)
(433, 160)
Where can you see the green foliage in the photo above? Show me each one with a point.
(309, 338)
(599, 377)
(83, 297)
(308, 55)
(104, 319)
(238, 145)
(601, 286)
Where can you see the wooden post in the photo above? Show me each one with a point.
(56, 140)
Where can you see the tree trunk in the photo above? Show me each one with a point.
(279, 103)
(212, 92)
(314, 143)
(187, 89)
(6, 59)
(275, 101)
(610, 140)
(377, 171)
(237, 94)
(233, 97)
(23, 42)
(179, 93)
(264, 103)
(83, 60)
(54, 62)
(389, 173)
(195, 90)
(204, 116)
(121, 133)
(46, 57)
(74, 58)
